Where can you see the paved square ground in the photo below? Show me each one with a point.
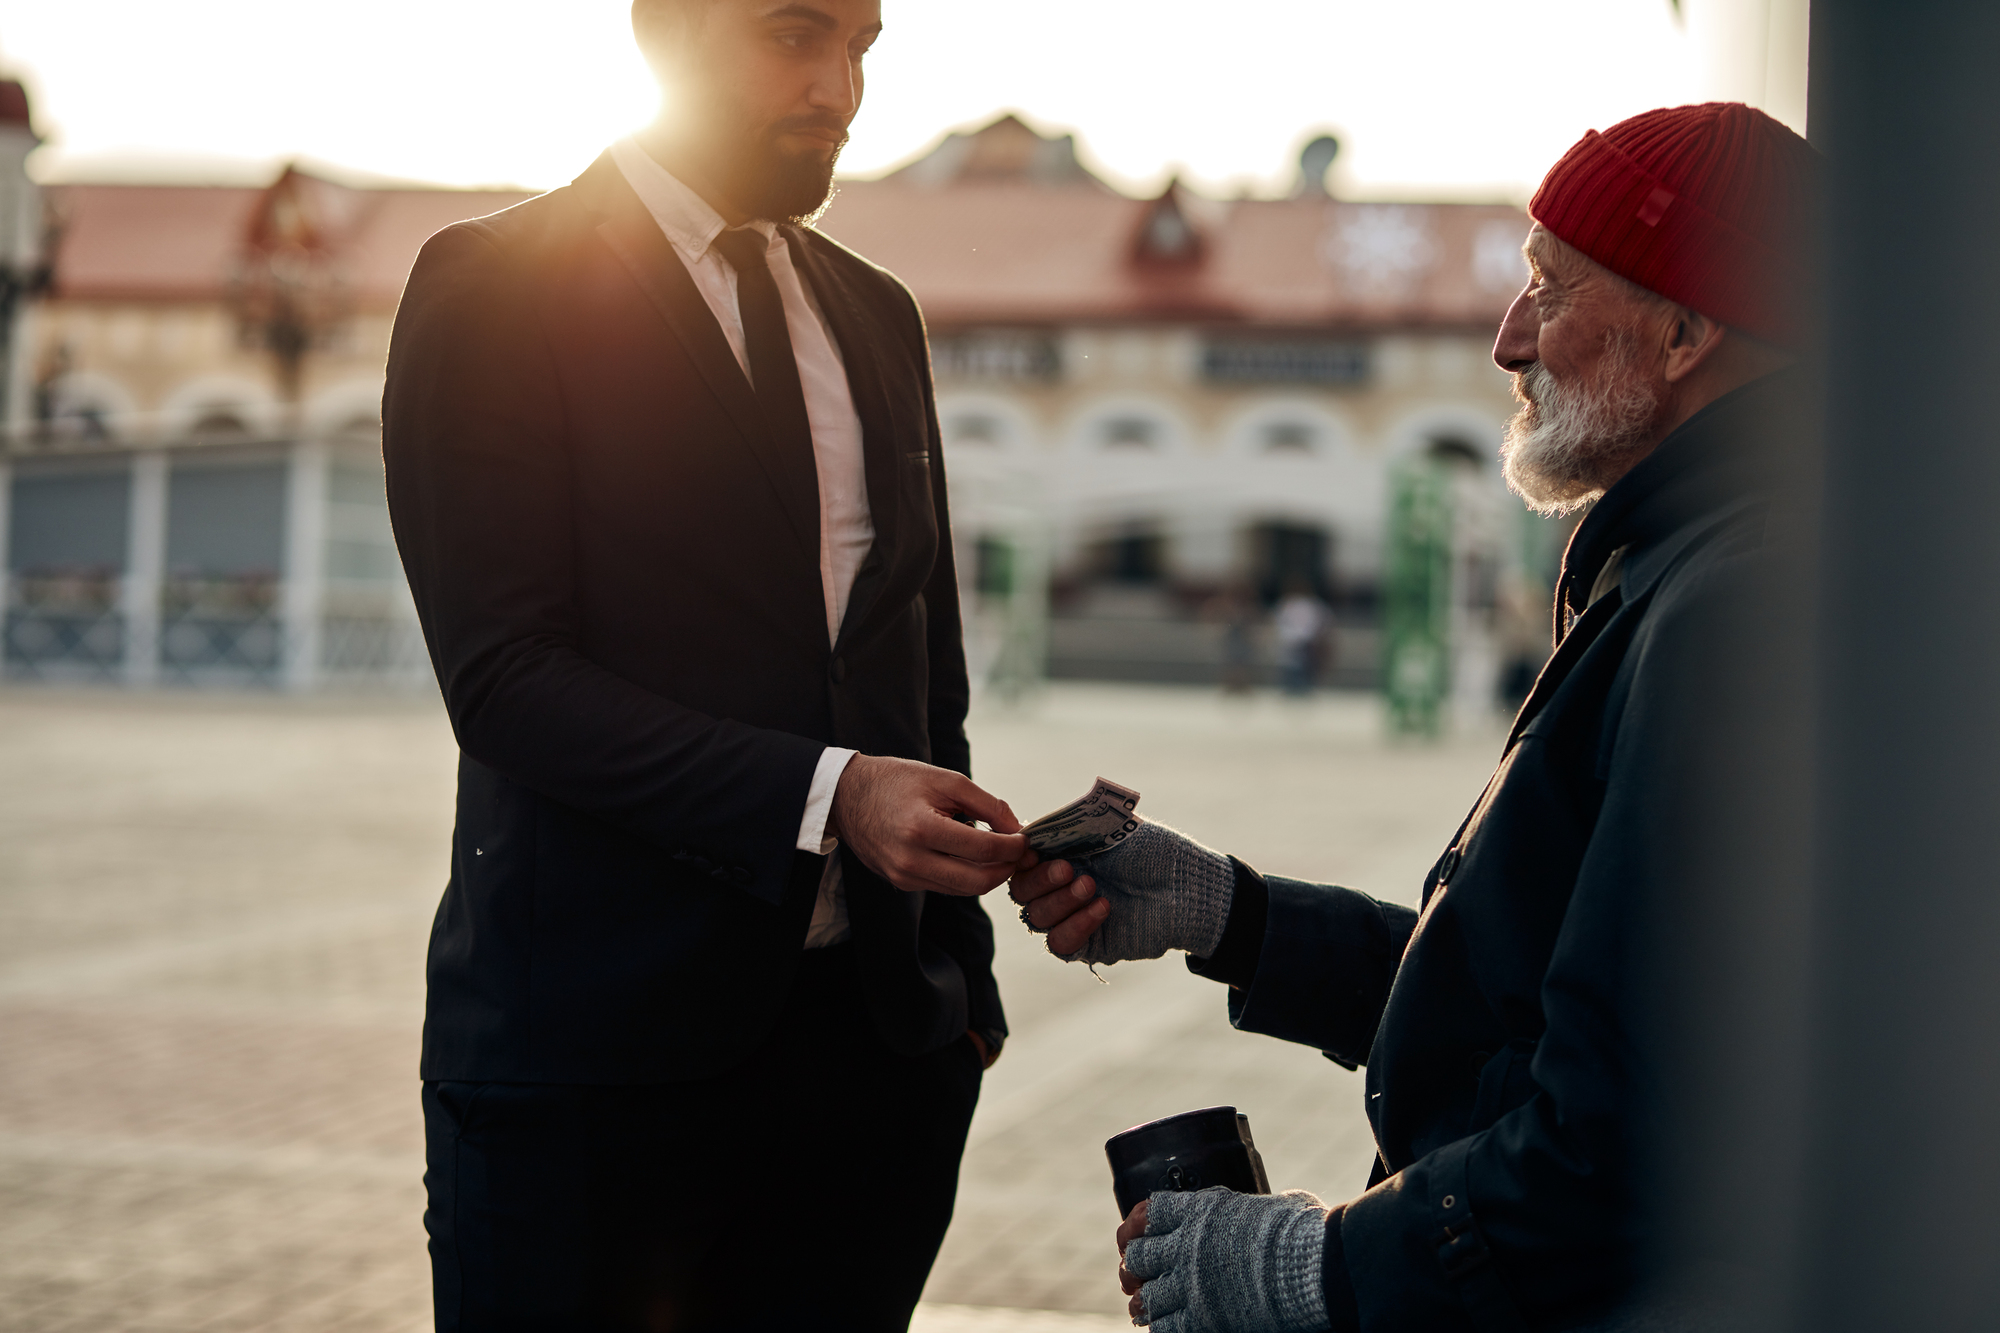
(212, 923)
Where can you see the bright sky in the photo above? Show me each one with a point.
(1430, 97)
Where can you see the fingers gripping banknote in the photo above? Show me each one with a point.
(1103, 818)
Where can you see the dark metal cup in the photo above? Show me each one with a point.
(1189, 1151)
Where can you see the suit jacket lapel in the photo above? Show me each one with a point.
(857, 335)
(656, 267)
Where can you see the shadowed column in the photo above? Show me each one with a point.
(1903, 1142)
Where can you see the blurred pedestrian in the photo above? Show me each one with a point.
(1236, 607)
(665, 472)
(1300, 626)
(1518, 1032)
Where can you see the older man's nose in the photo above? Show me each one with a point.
(1514, 348)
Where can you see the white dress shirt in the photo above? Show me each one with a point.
(845, 530)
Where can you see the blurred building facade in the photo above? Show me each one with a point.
(1181, 407)
(193, 473)
(1160, 416)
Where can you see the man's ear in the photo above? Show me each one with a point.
(1691, 338)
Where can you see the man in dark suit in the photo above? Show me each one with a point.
(710, 987)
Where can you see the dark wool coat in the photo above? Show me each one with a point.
(1510, 1027)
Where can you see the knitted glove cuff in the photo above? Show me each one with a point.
(1204, 886)
(1297, 1258)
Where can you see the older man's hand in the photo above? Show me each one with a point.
(1133, 1227)
(1155, 891)
(1058, 901)
(1215, 1261)
(902, 819)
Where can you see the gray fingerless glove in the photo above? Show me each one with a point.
(1216, 1261)
(1166, 890)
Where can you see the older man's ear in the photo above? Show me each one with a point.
(1690, 338)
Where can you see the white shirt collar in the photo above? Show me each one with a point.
(689, 221)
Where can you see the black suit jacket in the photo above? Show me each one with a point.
(617, 569)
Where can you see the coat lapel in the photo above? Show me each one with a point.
(654, 265)
(859, 338)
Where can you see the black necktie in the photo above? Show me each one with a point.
(774, 367)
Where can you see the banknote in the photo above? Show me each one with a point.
(1104, 817)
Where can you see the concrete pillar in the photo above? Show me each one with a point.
(145, 568)
(19, 403)
(1902, 1155)
(21, 225)
(305, 563)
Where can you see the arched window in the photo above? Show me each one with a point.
(1457, 451)
(218, 407)
(1289, 555)
(1289, 436)
(988, 427)
(220, 422)
(1127, 430)
(1133, 554)
(1286, 428)
(1128, 425)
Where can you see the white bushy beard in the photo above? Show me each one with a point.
(1569, 442)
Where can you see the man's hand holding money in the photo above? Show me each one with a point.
(1153, 890)
(911, 824)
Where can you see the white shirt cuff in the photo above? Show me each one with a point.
(819, 801)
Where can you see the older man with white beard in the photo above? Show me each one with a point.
(1519, 1030)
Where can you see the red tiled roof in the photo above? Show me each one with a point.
(173, 242)
(403, 220)
(1010, 253)
(998, 226)
(147, 240)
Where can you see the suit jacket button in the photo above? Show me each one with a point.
(837, 669)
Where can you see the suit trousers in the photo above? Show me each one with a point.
(807, 1187)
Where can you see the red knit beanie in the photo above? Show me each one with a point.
(1711, 206)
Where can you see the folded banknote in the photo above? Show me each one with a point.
(1099, 821)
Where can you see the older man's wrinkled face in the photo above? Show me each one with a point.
(1583, 346)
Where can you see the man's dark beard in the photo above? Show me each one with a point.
(792, 187)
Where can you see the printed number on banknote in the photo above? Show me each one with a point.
(1103, 818)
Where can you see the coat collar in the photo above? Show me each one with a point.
(689, 220)
(1720, 463)
(632, 234)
